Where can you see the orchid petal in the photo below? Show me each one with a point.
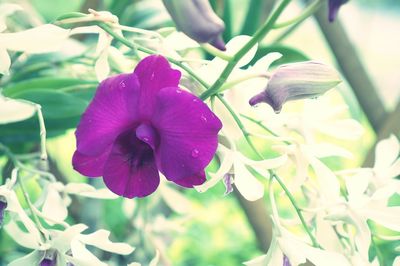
(188, 133)
(250, 188)
(133, 176)
(100, 239)
(88, 165)
(386, 152)
(112, 111)
(154, 73)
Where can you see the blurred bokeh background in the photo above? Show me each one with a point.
(219, 231)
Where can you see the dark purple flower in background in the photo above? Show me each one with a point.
(141, 123)
(333, 8)
(197, 19)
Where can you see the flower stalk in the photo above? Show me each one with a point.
(258, 36)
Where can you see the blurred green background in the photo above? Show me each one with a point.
(219, 233)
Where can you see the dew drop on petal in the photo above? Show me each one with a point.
(122, 84)
(178, 91)
(195, 153)
(195, 100)
(203, 118)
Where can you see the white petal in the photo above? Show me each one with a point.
(323, 150)
(357, 184)
(226, 156)
(5, 62)
(328, 182)
(394, 169)
(388, 217)
(263, 164)
(102, 68)
(42, 39)
(258, 261)
(264, 62)
(175, 200)
(156, 259)
(100, 239)
(83, 257)
(179, 41)
(386, 191)
(274, 255)
(54, 206)
(15, 207)
(342, 129)
(86, 190)
(6, 10)
(250, 188)
(326, 235)
(22, 238)
(62, 241)
(396, 262)
(32, 258)
(14, 110)
(235, 44)
(363, 234)
(386, 152)
(298, 252)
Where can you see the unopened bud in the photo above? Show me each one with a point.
(197, 20)
(333, 8)
(297, 81)
(3, 206)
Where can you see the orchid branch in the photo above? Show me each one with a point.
(306, 13)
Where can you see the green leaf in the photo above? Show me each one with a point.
(289, 54)
(28, 130)
(227, 18)
(252, 18)
(14, 90)
(55, 104)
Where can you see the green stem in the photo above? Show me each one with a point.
(258, 36)
(128, 44)
(263, 127)
(22, 166)
(306, 13)
(29, 203)
(216, 52)
(297, 209)
(232, 83)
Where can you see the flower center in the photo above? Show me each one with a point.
(137, 146)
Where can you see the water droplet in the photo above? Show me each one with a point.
(178, 91)
(122, 84)
(145, 139)
(203, 118)
(195, 153)
(152, 76)
(195, 100)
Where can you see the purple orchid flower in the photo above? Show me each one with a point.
(141, 123)
(333, 8)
